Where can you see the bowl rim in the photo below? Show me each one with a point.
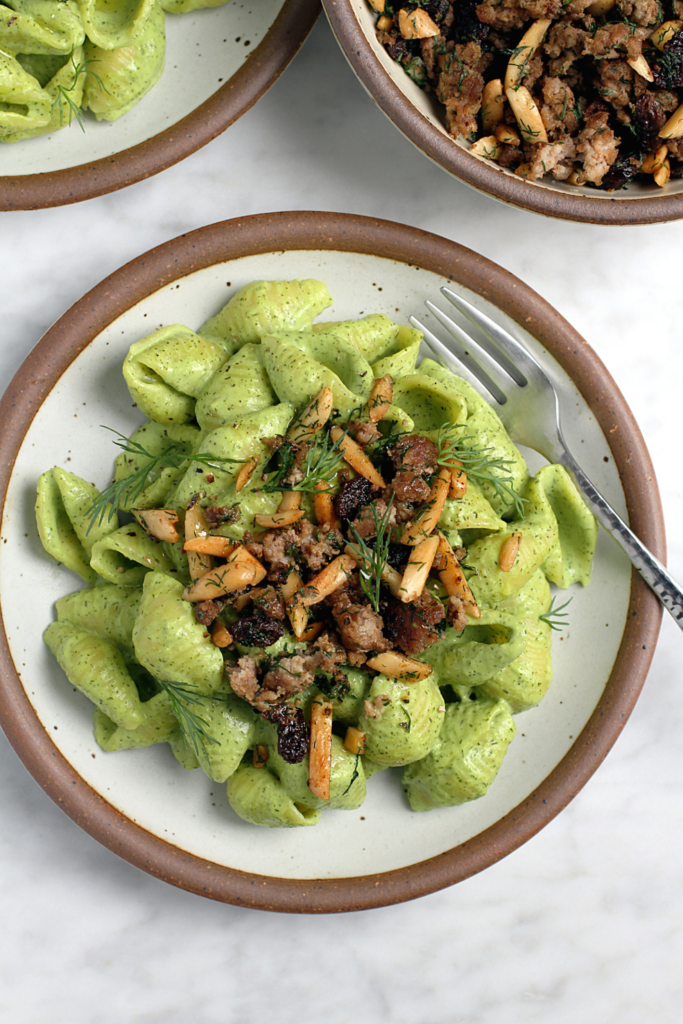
(597, 208)
(266, 233)
(98, 177)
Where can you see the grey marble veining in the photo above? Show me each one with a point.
(583, 922)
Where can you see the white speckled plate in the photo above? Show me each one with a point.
(219, 61)
(179, 824)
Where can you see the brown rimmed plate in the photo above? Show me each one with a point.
(178, 825)
(421, 119)
(219, 62)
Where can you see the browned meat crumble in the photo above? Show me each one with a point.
(604, 82)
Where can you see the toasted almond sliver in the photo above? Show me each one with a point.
(601, 7)
(313, 418)
(509, 551)
(416, 25)
(447, 568)
(312, 632)
(527, 114)
(197, 525)
(328, 580)
(487, 147)
(662, 174)
(384, 23)
(507, 135)
(518, 65)
(276, 520)
(642, 68)
(221, 547)
(161, 523)
(356, 457)
(244, 475)
(297, 613)
(240, 571)
(380, 398)
(377, 5)
(673, 129)
(356, 740)
(390, 576)
(425, 521)
(320, 749)
(417, 570)
(260, 755)
(220, 635)
(293, 583)
(323, 506)
(290, 501)
(665, 33)
(398, 666)
(492, 105)
(458, 485)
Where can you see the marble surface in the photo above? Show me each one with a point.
(582, 923)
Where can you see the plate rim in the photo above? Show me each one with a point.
(601, 208)
(262, 68)
(312, 230)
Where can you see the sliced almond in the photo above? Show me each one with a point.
(527, 114)
(260, 755)
(416, 24)
(160, 523)
(355, 741)
(673, 129)
(492, 105)
(293, 583)
(487, 147)
(290, 501)
(245, 473)
(457, 488)
(665, 33)
(398, 666)
(377, 5)
(601, 7)
(323, 506)
(447, 568)
(221, 547)
(328, 580)
(277, 520)
(509, 551)
(241, 570)
(219, 634)
(662, 174)
(356, 457)
(518, 65)
(642, 68)
(417, 570)
(426, 520)
(380, 398)
(313, 418)
(507, 135)
(297, 613)
(196, 525)
(384, 24)
(320, 749)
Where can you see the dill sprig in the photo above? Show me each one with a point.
(183, 702)
(63, 91)
(554, 616)
(479, 464)
(373, 559)
(321, 464)
(126, 492)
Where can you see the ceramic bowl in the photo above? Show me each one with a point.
(421, 119)
(178, 825)
(219, 61)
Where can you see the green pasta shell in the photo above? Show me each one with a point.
(155, 438)
(478, 652)
(465, 760)
(62, 79)
(117, 78)
(159, 726)
(24, 106)
(401, 358)
(258, 797)
(110, 24)
(429, 403)
(97, 668)
(241, 386)
(264, 307)
(109, 611)
(409, 725)
(577, 528)
(347, 779)
(182, 751)
(471, 512)
(168, 640)
(167, 370)
(126, 555)
(183, 6)
(374, 336)
(63, 501)
(350, 707)
(230, 723)
(40, 27)
(338, 355)
(297, 377)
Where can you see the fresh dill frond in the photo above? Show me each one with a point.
(554, 616)
(322, 462)
(373, 560)
(479, 464)
(183, 701)
(63, 93)
(125, 492)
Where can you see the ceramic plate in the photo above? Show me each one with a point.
(421, 119)
(219, 61)
(178, 824)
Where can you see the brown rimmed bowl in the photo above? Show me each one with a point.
(178, 825)
(421, 119)
(219, 62)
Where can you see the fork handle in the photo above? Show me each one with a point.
(649, 567)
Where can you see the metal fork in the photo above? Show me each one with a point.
(508, 376)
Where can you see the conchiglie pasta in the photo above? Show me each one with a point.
(239, 387)
(66, 530)
(24, 106)
(126, 556)
(111, 24)
(159, 725)
(347, 779)
(155, 439)
(109, 611)
(257, 796)
(40, 27)
(408, 723)
(374, 336)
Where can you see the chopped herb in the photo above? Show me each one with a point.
(554, 616)
(373, 559)
(323, 460)
(63, 91)
(183, 701)
(479, 464)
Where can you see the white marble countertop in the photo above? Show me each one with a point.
(581, 923)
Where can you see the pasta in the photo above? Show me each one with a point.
(416, 623)
(59, 59)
